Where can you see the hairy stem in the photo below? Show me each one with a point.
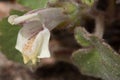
(99, 26)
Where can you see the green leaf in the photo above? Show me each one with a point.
(8, 36)
(33, 4)
(68, 6)
(82, 38)
(99, 60)
(88, 2)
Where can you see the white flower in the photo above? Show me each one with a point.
(33, 37)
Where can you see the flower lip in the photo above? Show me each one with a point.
(35, 46)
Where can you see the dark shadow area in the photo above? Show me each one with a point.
(60, 71)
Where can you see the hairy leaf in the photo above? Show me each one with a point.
(98, 60)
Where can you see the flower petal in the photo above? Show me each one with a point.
(40, 46)
(28, 31)
(26, 59)
(32, 41)
(15, 19)
(44, 52)
(51, 17)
